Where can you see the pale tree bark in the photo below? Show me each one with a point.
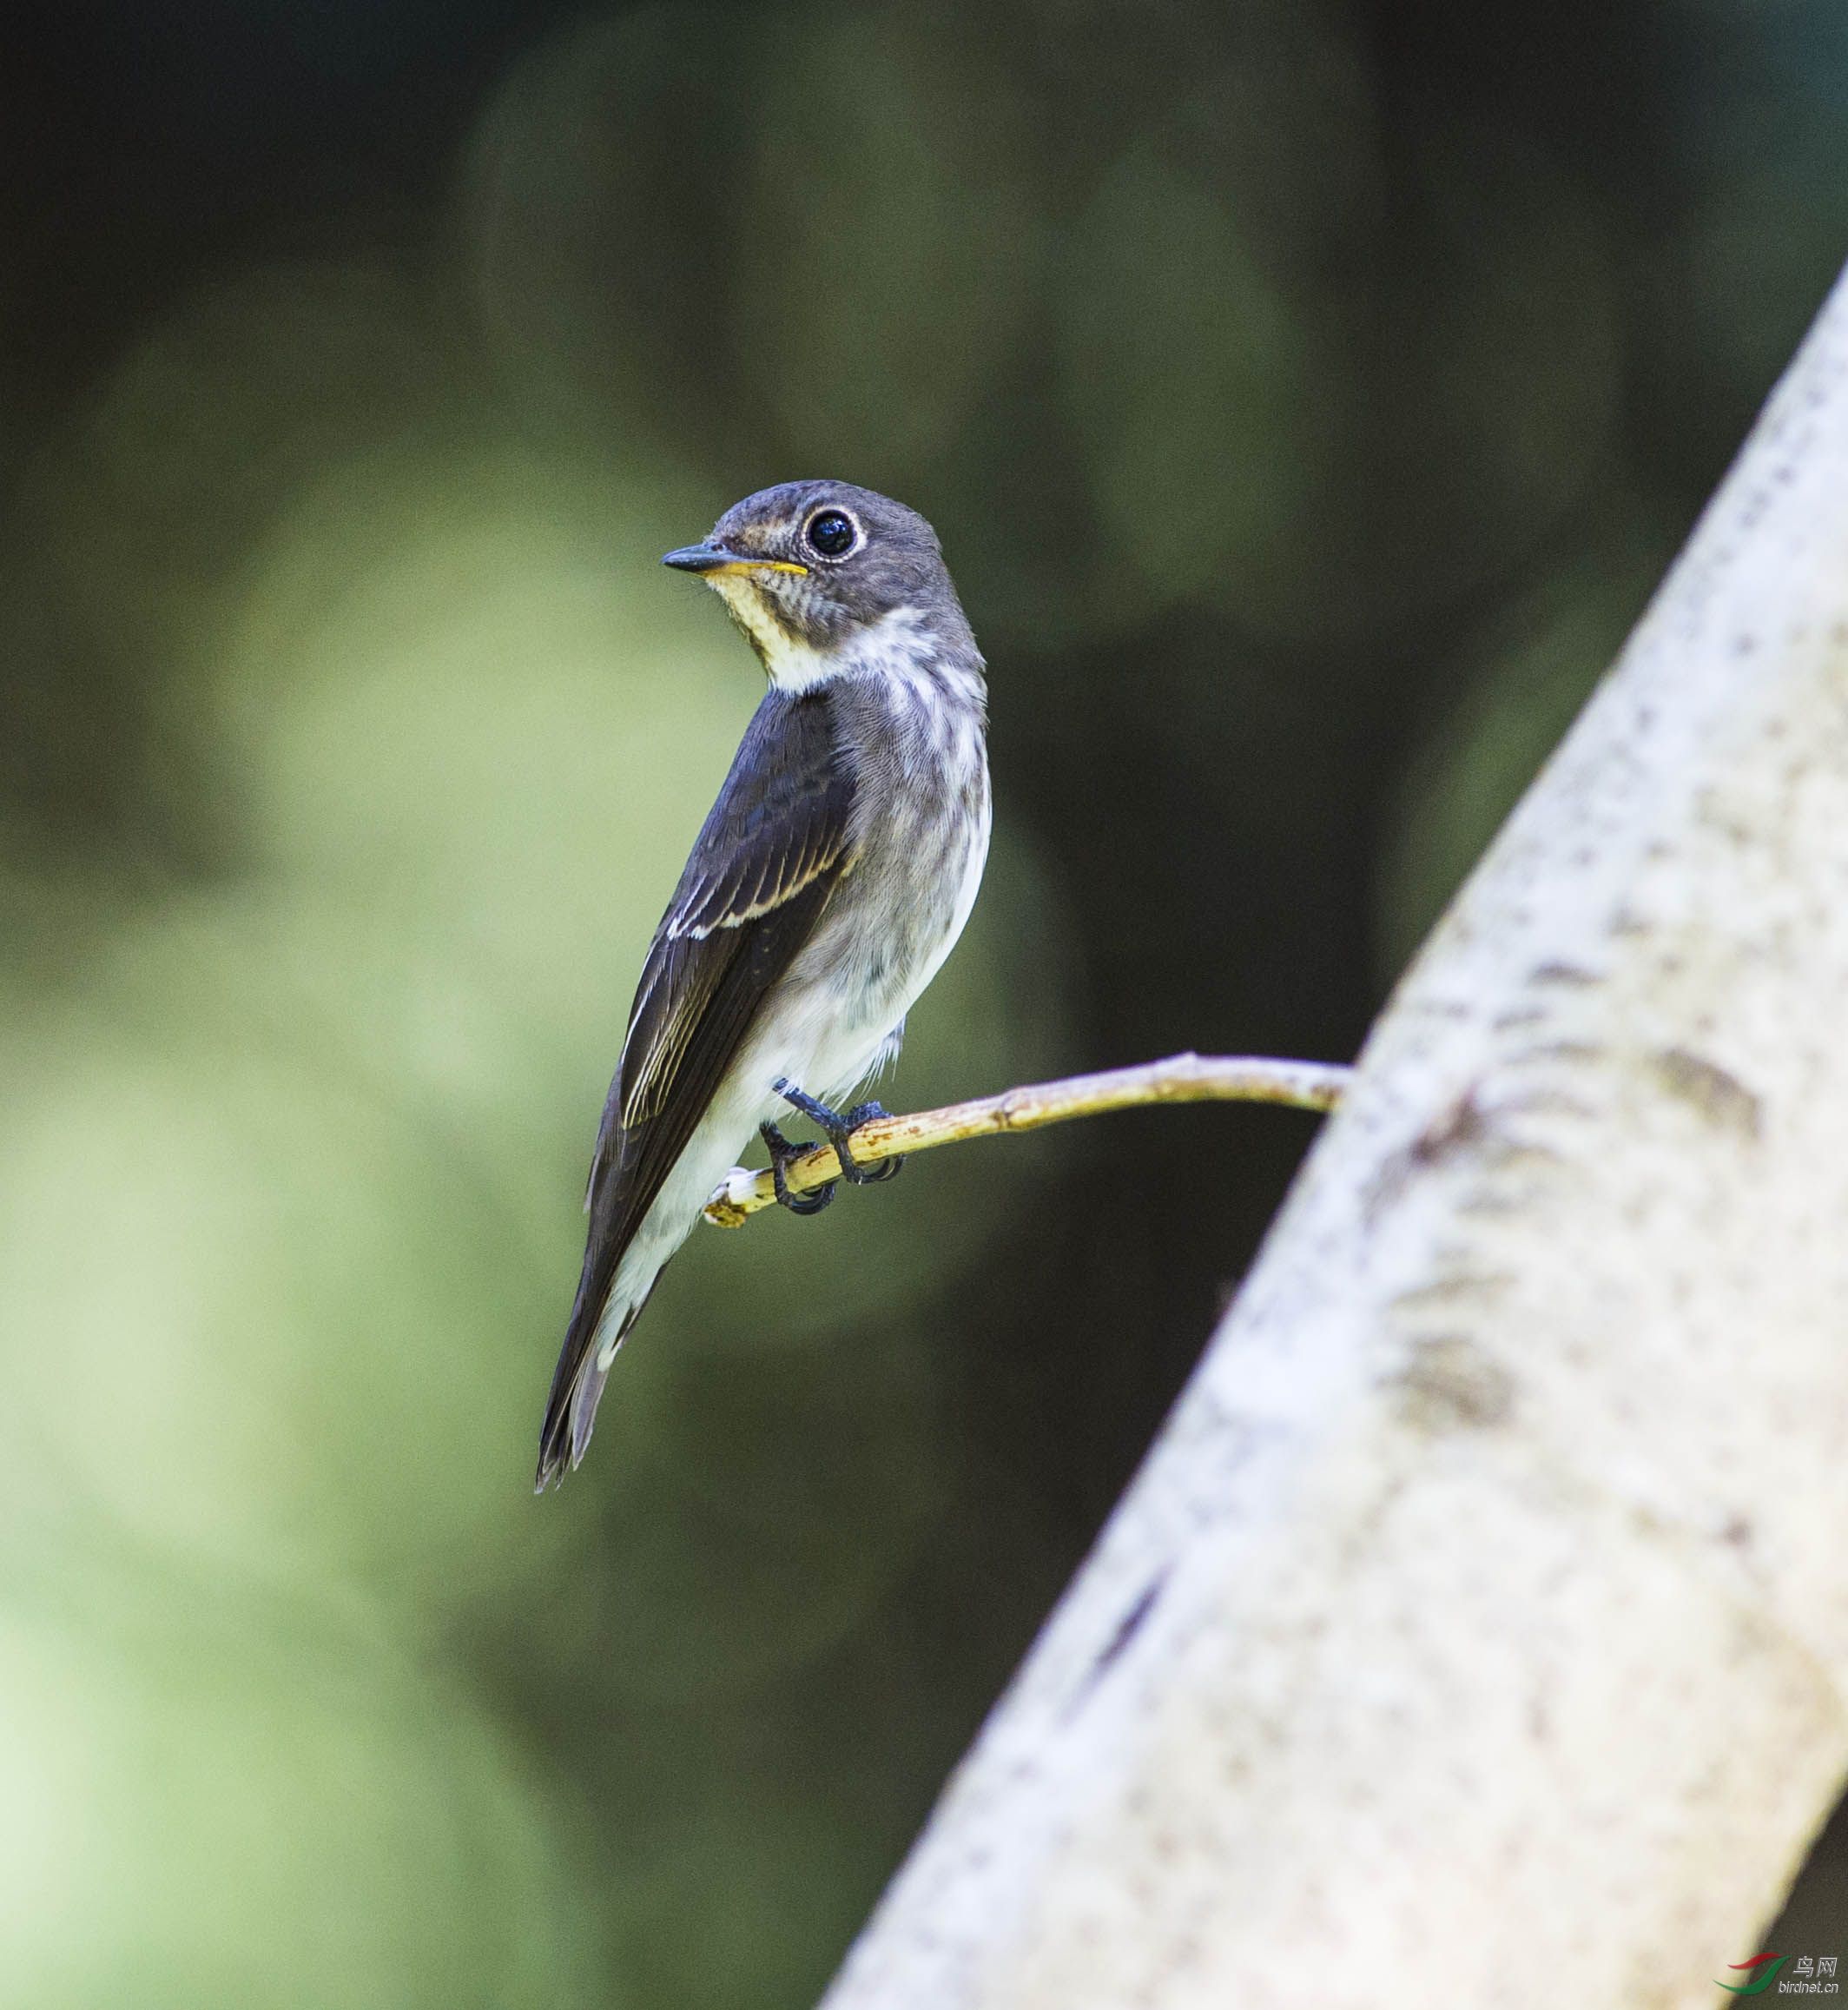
(1477, 1631)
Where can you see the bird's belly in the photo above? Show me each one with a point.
(883, 938)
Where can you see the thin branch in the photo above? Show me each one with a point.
(1306, 1084)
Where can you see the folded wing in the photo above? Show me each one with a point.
(770, 853)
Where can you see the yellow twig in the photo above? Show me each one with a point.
(1307, 1084)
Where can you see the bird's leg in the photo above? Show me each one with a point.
(839, 1131)
(781, 1151)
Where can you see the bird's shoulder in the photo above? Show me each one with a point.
(778, 836)
(784, 816)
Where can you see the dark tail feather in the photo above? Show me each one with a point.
(560, 1447)
(567, 1428)
(577, 1387)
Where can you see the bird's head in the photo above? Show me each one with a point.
(827, 580)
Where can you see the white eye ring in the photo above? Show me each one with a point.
(834, 555)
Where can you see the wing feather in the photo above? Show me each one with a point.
(769, 853)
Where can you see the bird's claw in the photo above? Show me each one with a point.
(839, 1131)
(782, 1152)
(864, 1112)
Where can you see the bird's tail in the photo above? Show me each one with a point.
(590, 1341)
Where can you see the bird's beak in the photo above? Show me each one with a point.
(714, 562)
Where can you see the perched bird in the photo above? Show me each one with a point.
(828, 884)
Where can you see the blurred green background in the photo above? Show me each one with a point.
(1307, 396)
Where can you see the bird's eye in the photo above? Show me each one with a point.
(831, 533)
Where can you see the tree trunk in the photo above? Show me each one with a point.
(1476, 1631)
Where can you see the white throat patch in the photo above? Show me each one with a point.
(894, 641)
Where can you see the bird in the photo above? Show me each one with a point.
(828, 883)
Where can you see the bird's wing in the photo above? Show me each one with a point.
(770, 853)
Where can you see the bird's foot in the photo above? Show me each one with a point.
(864, 1112)
(839, 1131)
(781, 1151)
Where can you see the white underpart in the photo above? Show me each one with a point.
(805, 1037)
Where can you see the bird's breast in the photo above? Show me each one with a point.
(923, 818)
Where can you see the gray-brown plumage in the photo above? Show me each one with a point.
(830, 880)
